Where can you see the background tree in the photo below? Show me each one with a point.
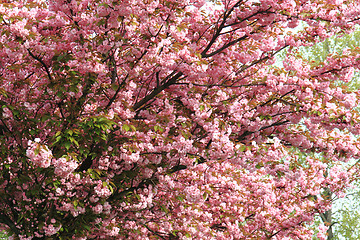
(346, 222)
(166, 119)
(342, 217)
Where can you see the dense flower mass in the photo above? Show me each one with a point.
(142, 119)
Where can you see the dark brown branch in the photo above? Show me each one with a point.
(156, 91)
(274, 124)
(225, 46)
(331, 71)
(117, 92)
(242, 20)
(247, 133)
(160, 235)
(219, 29)
(277, 99)
(42, 63)
(119, 195)
(222, 85)
(86, 164)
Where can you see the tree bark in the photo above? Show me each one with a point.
(326, 217)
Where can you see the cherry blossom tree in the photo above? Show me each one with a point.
(141, 119)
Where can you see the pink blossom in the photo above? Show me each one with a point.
(98, 209)
(101, 190)
(39, 154)
(64, 166)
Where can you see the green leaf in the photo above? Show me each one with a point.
(292, 213)
(60, 57)
(37, 151)
(126, 127)
(75, 203)
(180, 198)
(158, 128)
(58, 138)
(164, 209)
(243, 148)
(242, 224)
(19, 219)
(87, 227)
(67, 145)
(205, 196)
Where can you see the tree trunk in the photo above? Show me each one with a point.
(326, 217)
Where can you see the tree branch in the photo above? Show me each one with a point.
(156, 91)
(7, 221)
(42, 63)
